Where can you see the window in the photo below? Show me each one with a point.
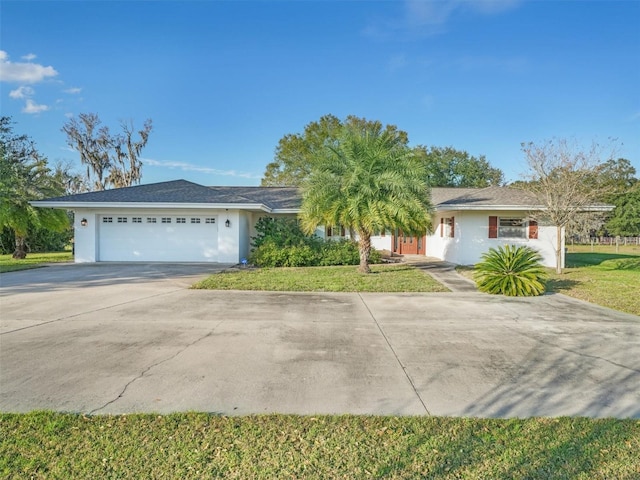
(447, 227)
(336, 231)
(136, 219)
(166, 219)
(122, 219)
(511, 228)
(151, 220)
(195, 220)
(209, 220)
(107, 219)
(181, 220)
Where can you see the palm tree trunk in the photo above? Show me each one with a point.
(21, 247)
(364, 247)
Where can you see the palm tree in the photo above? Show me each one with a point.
(25, 176)
(366, 181)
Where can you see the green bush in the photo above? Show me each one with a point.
(280, 242)
(271, 255)
(343, 252)
(281, 231)
(511, 270)
(38, 240)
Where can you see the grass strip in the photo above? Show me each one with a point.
(197, 445)
(384, 278)
(603, 277)
(33, 260)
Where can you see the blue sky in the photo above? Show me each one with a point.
(223, 81)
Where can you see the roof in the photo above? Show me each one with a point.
(280, 199)
(483, 198)
(184, 192)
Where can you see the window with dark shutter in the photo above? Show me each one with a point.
(493, 227)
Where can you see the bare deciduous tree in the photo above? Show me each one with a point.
(563, 176)
(111, 160)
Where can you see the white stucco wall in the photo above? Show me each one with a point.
(382, 243)
(228, 245)
(245, 221)
(85, 238)
(471, 238)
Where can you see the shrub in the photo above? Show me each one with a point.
(511, 270)
(343, 252)
(281, 231)
(280, 242)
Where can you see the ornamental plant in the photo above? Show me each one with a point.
(515, 271)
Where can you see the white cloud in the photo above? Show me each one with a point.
(73, 90)
(33, 108)
(22, 92)
(29, 56)
(189, 167)
(430, 17)
(20, 72)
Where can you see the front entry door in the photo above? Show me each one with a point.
(408, 244)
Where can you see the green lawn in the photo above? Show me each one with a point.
(603, 277)
(384, 278)
(33, 260)
(193, 445)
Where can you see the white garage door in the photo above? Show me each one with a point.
(158, 238)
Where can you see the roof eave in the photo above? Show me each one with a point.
(488, 207)
(151, 205)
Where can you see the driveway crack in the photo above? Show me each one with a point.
(404, 368)
(153, 365)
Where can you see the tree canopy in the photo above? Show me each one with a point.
(296, 153)
(366, 180)
(111, 160)
(444, 166)
(564, 178)
(625, 219)
(25, 176)
(448, 167)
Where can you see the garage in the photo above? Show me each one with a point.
(157, 237)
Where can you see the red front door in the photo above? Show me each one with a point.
(409, 244)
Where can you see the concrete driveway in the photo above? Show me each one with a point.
(133, 338)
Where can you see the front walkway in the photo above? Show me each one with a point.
(443, 272)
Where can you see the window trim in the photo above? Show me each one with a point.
(529, 228)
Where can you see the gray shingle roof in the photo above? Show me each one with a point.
(479, 197)
(182, 191)
(289, 198)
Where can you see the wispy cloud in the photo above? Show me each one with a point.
(21, 72)
(421, 18)
(29, 56)
(22, 92)
(73, 90)
(189, 167)
(32, 107)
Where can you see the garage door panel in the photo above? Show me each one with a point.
(157, 242)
